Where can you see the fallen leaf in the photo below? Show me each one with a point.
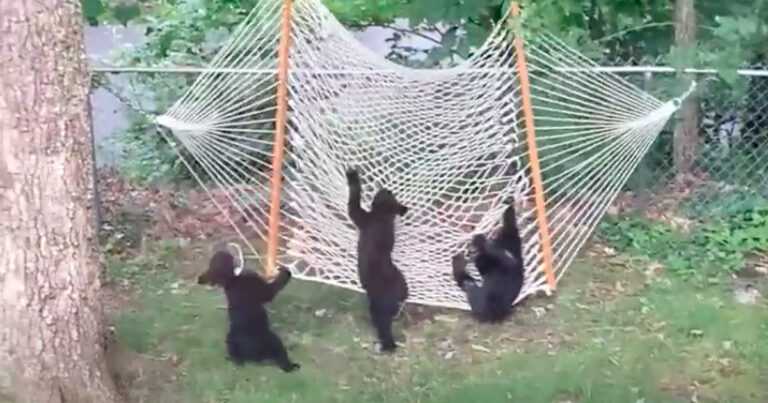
(480, 348)
(446, 318)
(696, 333)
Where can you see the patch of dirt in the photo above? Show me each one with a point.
(692, 391)
(756, 266)
(750, 284)
(115, 299)
(192, 259)
(138, 378)
(417, 314)
(141, 378)
(746, 293)
(166, 212)
(662, 204)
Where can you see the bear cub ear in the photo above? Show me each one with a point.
(221, 269)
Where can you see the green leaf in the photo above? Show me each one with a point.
(476, 34)
(449, 39)
(92, 10)
(125, 12)
(439, 53)
(683, 57)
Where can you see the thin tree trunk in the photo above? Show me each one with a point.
(51, 331)
(687, 127)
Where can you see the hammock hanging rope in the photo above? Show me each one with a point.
(537, 124)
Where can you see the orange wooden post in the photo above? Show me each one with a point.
(278, 150)
(530, 128)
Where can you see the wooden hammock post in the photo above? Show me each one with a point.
(530, 129)
(278, 149)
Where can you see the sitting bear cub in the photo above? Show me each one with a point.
(249, 337)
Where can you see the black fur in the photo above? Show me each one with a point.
(249, 337)
(500, 264)
(383, 282)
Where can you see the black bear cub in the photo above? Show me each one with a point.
(249, 337)
(383, 282)
(500, 263)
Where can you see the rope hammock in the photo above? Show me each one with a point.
(293, 99)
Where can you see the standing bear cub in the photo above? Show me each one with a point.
(382, 281)
(249, 337)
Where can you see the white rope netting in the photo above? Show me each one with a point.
(450, 143)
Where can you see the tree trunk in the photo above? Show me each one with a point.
(687, 127)
(51, 331)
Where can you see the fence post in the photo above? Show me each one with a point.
(95, 171)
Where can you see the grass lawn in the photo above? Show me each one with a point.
(612, 334)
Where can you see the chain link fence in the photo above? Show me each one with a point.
(731, 163)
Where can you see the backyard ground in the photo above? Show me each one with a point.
(618, 330)
(654, 311)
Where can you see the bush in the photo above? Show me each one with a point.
(719, 245)
(185, 32)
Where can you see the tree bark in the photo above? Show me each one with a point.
(686, 136)
(51, 329)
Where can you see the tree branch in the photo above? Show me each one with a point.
(637, 28)
(414, 33)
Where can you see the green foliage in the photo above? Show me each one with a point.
(639, 236)
(96, 11)
(124, 13)
(733, 35)
(717, 202)
(728, 240)
(715, 247)
(654, 166)
(147, 156)
(92, 10)
(741, 167)
(731, 32)
(607, 28)
(182, 32)
(190, 32)
(365, 12)
(738, 224)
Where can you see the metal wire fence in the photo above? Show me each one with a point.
(731, 163)
(730, 160)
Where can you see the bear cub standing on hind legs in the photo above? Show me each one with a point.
(500, 263)
(249, 337)
(382, 281)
